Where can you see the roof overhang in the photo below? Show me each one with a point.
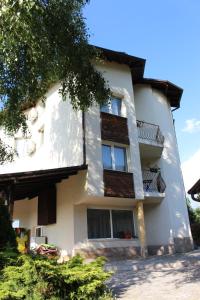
(30, 184)
(170, 90)
(195, 189)
(136, 64)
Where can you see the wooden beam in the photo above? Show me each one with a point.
(141, 229)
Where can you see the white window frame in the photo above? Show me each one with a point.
(111, 223)
(127, 154)
(41, 231)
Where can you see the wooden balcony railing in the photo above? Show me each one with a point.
(114, 128)
(153, 181)
(118, 184)
(150, 132)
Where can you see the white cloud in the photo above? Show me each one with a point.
(191, 170)
(192, 126)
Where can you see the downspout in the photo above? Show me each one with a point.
(172, 112)
(84, 146)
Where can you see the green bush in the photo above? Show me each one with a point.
(8, 257)
(36, 278)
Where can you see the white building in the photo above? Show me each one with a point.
(107, 182)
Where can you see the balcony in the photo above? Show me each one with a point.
(153, 183)
(114, 128)
(118, 184)
(151, 140)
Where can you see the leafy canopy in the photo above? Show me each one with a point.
(43, 42)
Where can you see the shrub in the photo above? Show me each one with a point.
(36, 278)
(8, 257)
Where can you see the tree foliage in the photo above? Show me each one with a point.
(197, 215)
(190, 211)
(7, 234)
(43, 42)
(194, 213)
(39, 278)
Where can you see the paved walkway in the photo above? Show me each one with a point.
(175, 277)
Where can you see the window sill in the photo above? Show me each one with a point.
(112, 239)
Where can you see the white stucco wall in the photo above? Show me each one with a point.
(61, 143)
(26, 212)
(170, 218)
(62, 232)
(120, 81)
(69, 232)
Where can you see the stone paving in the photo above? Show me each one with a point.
(175, 277)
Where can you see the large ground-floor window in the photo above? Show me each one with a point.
(109, 223)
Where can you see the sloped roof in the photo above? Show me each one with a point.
(137, 67)
(195, 189)
(136, 64)
(170, 90)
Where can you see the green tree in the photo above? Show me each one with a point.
(7, 233)
(197, 215)
(43, 42)
(191, 212)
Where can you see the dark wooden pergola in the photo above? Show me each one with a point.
(17, 186)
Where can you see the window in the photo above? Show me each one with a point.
(122, 221)
(98, 223)
(114, 158)
(38, 231)
(105, 223)
(113, 107)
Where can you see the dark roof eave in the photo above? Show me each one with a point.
(195, 189)
(136, 64)
(170, 90)
(29, 184)
(42, 173)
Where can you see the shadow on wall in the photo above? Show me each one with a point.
(65, 134)
(94, 151)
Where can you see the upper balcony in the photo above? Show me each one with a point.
(151, 140)
(114, 128)
(153, 184)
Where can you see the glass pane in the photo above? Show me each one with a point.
(123, 227)
(120, 158)
(98, 223)
(106, 154)
(116, 106)
(105, 108)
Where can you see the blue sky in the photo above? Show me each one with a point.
(167, 34)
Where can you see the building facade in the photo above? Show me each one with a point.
(107, 181)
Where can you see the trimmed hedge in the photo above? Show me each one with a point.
(39, 278)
